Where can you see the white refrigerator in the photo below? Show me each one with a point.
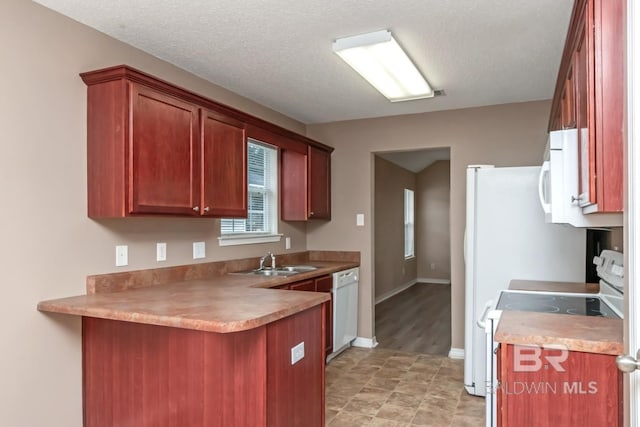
(507, 238)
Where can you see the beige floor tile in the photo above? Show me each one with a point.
(331, 401)
(363, 406)
(396, 413)
(432, 418)
(391, 388)
(412, 387)
(439, 403)
(381, 422)
(405, 400)
(383, 383)
(329, 415)
(374, 394)
(348, 419)
(466, 421)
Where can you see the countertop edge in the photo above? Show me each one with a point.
(315, 298)
(110, 305)
(586, 334)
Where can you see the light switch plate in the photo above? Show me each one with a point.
(122, 255)
(161, 251)
(198, 250)
(360, 220)
(287, 242)
(297, 353)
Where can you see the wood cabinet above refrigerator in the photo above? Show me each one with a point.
(589, 96)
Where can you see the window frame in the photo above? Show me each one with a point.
(409, 224)
(271, 194)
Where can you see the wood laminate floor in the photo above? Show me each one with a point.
(416, 320)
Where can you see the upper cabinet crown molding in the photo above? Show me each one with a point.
(120, 72)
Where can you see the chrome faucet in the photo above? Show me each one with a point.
(273, 261)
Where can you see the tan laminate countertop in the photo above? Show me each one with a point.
(578, 333)
(227, 303)
(547, 286)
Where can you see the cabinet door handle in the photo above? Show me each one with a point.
(310, 213)
(196, 208)
(206, 209)
(576, 199)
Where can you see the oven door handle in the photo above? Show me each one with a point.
(482, 320)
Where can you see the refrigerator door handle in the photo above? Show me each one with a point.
(546, 167)
(482, 321)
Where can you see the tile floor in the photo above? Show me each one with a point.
(381, 387)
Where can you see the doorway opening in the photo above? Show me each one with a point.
(412, 266)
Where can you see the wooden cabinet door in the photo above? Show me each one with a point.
(568, 102)
(543, 388)
(295, 393)
(609, 40)
(163, 174)
(319, 182)
(293, 185)
(584, 115)
(325, 284)
(305, 285)
(224, 166)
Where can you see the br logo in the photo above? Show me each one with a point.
(530, 358)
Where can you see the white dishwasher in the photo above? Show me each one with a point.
(345, 309)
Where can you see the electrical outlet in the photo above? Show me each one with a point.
(287, 242)
(122, 255)
(198, 250)
(297, 353)
(433, 265)
(161, 251)
(360, 220)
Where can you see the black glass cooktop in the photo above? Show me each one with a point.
(550, 303)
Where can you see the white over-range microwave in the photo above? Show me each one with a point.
(558, 187)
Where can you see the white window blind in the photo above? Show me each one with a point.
(409, 250)
(262, 199)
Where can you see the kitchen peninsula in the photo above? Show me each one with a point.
(194, 345)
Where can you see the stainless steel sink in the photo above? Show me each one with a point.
(298, 268)
(287, 270)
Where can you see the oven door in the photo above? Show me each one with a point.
(493, 387)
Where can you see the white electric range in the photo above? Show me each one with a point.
(607, 303)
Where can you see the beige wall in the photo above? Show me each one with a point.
(433, 250)
(391, 269)
(504, 135)
(48, 244)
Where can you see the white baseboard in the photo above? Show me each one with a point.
(395, 291)
(434, 281)
(456, 353)
(365, 342)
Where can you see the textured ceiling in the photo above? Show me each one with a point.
(278, 52)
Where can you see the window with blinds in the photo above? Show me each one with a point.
(409, 250)
(262, 198)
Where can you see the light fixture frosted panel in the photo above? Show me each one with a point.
(381, 61)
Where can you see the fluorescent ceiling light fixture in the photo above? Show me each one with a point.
(381, 61)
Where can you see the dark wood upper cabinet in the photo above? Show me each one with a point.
(305, 184)
(163, 175)
(319, 183)
(589, 96)
(224, 166)
(156, 149)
